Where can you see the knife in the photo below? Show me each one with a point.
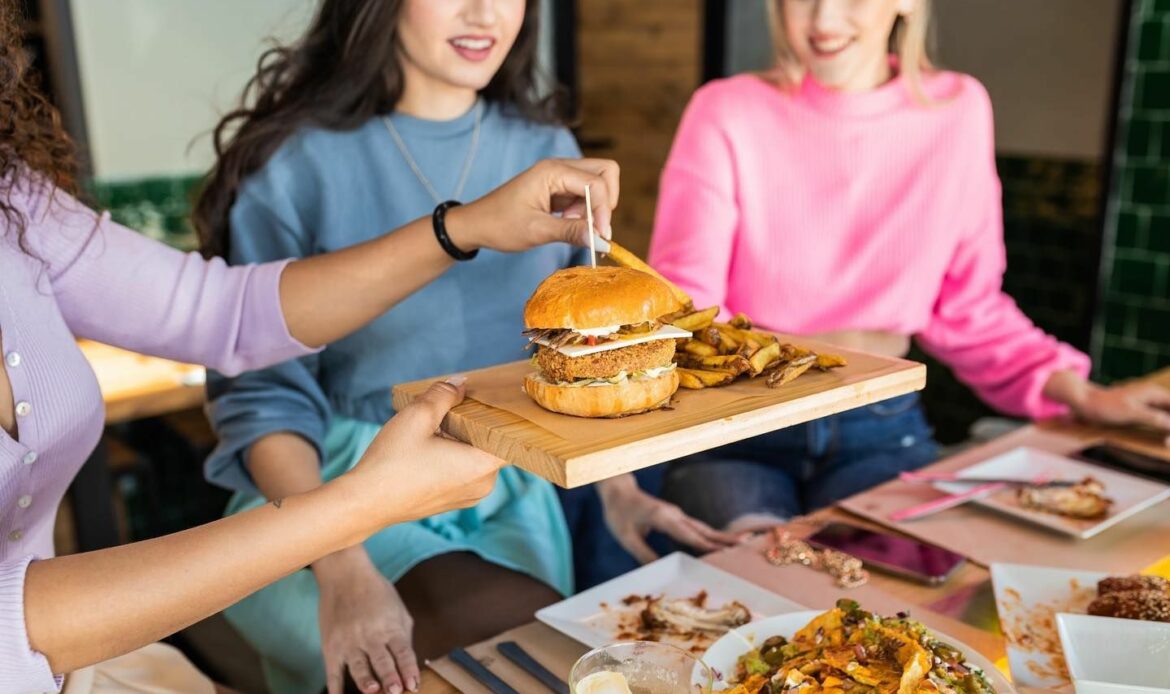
(481, 674)
(515, 653)
(953, 477)
(946, 502)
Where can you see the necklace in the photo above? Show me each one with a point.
(410, 161)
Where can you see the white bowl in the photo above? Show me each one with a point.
(1028, 598)
(1111, 656)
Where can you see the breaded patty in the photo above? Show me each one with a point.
(1148, 605)
(558, 368)
(1124, 584)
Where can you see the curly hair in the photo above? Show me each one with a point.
(34, 148)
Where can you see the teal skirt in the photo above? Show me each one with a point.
(519, 526)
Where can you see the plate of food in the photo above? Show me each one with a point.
(625, 372)
(847, 649)
(677, 600)
(1030, 598)
(1069, 496)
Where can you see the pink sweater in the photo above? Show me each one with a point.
(813, 210)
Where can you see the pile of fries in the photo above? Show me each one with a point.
(718, 353)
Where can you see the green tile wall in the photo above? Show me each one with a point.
(1132, 332)
(157, 207)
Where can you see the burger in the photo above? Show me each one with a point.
(601, 350)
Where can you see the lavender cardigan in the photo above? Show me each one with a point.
(91, 278)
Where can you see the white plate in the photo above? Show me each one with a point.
(592, 617)
(723, 656)
(1130, 494)
(1028, 599)
(1107, 655)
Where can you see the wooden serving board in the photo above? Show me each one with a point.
(572, 451)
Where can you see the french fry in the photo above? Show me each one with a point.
(830, 361)
(710, 336)
(729, 336)
(706, 379)
(699, 349)
(732, 363)
(720, 352)
(696, 320)
(687, 379)
(741, 335)
(787, 373)
(763, 357)
(624, 258)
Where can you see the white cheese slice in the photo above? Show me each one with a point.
(600, 332)
(666, 332)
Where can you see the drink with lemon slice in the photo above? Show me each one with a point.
(640, 667)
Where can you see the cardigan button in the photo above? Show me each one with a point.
(23, 408)
(13, 359)
(29, 458)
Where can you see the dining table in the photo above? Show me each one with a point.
(962, 607)
(133, 387)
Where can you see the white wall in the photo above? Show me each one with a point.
(158, 73)
(1047, 64)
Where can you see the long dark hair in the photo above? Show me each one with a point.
(34, 148)
(345, 70)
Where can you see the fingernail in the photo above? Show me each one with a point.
(600, 244)
(607, 232)
(395, 689)
(456, 380)
(412, 685)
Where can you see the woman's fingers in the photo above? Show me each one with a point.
(1152, 416)
(334, 673)
(717, 536)
(635, 544)
(433, 405)
(386, 670)
(607, 169)
(359, 670)
(568, 179)
(399, 647)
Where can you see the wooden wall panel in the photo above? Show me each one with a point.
(639, 62)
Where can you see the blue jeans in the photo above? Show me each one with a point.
(597, 556)
(802, 468)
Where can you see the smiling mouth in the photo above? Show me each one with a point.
(474, 44)
(829, 48)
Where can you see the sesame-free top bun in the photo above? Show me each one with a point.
(584, 297)
(631, 396)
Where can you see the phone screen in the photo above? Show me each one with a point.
(1124, 459)
(900, 555)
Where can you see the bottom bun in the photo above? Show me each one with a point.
(625, 398)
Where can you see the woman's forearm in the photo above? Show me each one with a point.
(1068, 388)
(284, 464)
(327, 297)
(85, 608)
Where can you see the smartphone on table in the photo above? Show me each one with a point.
(1126, 460)
(895, 554)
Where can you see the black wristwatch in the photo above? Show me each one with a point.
(439, 222)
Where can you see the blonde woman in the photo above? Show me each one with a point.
(851, 194)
